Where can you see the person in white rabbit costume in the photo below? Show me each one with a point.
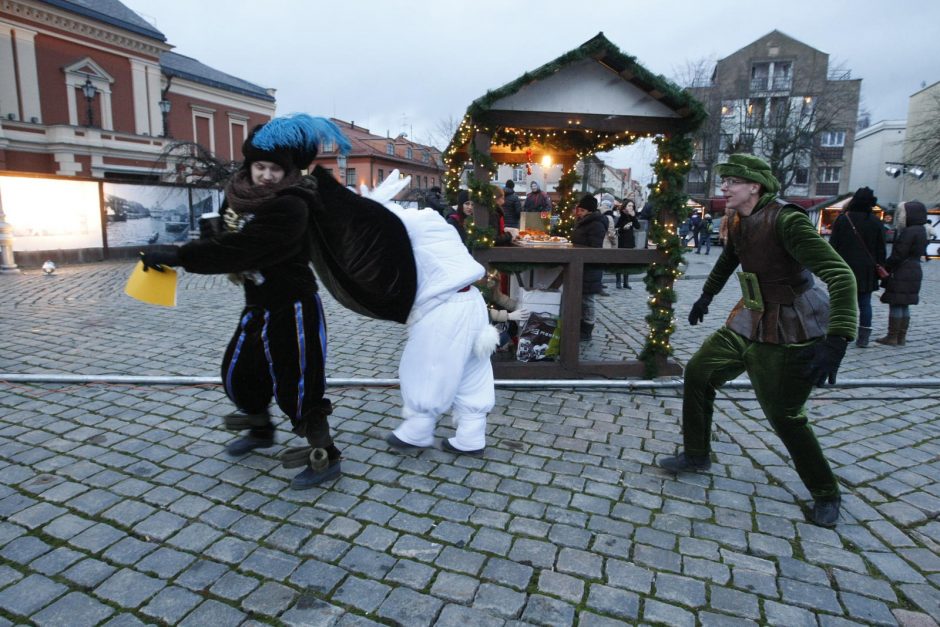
(446, 360)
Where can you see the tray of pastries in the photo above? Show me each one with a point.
(540, 239)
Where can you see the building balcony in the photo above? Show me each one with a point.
(827, 189)
(766, 84)
(831, 153)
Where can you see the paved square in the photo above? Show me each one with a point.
(119, 502)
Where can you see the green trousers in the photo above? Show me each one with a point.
(776, 372)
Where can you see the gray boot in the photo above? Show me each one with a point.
(864, 334)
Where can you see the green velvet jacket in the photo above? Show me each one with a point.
(801, 240)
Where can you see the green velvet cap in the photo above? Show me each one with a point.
(749, 168)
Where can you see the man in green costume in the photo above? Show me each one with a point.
(782, 332)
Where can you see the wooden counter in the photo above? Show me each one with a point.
(572, 261)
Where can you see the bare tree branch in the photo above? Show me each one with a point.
(924, 138)
(193, 164)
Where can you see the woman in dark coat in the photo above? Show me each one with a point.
(590, 230)
(902, 288)
(861, 252)
(626, 227)
(458, 215)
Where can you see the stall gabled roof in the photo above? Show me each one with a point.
(595, 87)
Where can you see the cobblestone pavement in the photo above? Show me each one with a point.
(119, 506)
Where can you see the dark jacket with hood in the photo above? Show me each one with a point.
(512, 208)
(591, 231)
(859, 251)
(904, 263)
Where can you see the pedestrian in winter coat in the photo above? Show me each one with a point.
(458, 215)
(626, 227)
(279, 346)
(435, 200)
(513, 206)
(590, 230)
(859, 237)
(537, 200)
(695, 228)
(902, 288)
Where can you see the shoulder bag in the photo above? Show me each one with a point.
(880, 270)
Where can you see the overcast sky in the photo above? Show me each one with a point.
(408, 65)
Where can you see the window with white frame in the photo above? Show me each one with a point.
(389, 148)
(351, 177)
(409, 153)
(518, 174)
(426, 156)
(381, 175)
(829, 174)
(832, 139)
(328, 146)
(727, 108)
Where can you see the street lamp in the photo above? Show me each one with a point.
(89, 90)
(165, 110)
(900, 169)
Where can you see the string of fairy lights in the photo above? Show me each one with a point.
(667, 198)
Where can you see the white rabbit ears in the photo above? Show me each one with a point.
(387, 189)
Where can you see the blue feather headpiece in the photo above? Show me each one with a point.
(300, 132)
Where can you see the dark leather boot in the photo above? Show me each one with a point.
(903, 324)
(320, 458)
(683, 462)
(891, 339)
(826, 511)
(586, 331)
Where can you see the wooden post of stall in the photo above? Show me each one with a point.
(482, 143)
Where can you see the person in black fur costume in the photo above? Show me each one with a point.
(279, 346)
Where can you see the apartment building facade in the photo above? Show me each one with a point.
(778, 98)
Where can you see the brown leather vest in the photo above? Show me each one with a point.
(794, 309)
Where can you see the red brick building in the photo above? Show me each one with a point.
(88, 88)
(373, 157)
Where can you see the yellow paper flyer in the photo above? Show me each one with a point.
(152, 287)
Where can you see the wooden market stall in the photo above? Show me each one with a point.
(833, 208)
(591, 99)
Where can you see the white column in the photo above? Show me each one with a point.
(7, 264)
(141, 102)
(9, 96)
(154, 87)
(29, 76)
(71, 101)
(107, 117)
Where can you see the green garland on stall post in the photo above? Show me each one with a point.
(669, 203)
(481, 193)
(564, 209)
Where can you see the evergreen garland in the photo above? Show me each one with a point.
(669, 202)
(667, 197)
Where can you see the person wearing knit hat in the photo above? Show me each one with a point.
(859, 238)
(279, 345)
(458, 215)
(786, 333)
(589, 230)
(512, 206)
(902, 288)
